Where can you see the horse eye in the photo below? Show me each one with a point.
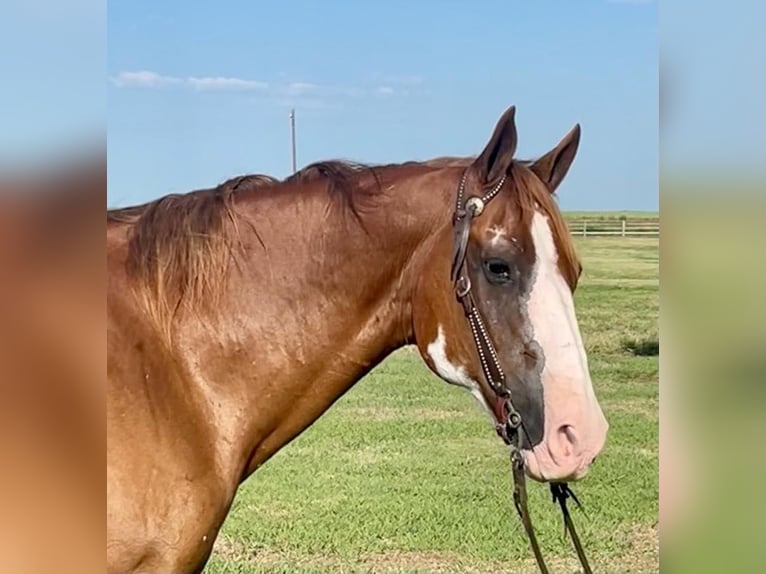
(497, 270)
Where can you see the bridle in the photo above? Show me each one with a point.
(510, 423)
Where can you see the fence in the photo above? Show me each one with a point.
(617, 227)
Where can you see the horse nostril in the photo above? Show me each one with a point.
(531, 354)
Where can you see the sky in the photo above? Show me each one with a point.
(200, 92)
(52, 61)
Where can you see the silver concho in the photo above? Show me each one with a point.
(475, 204)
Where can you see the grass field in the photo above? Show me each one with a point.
(405, 474)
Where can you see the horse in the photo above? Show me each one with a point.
(237, 315)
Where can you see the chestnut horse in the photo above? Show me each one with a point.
(238, 315)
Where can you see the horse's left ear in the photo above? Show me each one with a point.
(496, 158)
(554, 165)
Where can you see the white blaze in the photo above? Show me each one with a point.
(566, 380)
(551, 307)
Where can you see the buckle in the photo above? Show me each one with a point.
(462, 286)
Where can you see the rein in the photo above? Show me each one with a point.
(509, 420)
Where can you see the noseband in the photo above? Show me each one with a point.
(509, 422)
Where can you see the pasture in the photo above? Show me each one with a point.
(405, 473)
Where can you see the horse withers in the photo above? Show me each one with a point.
(238, 315)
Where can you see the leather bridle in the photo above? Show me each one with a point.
(509, 422)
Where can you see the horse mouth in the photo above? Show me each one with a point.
(539, 473)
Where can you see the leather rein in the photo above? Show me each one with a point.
(510, 423)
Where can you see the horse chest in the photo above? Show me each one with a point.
(173, 527)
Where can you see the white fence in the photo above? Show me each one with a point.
(638, 227)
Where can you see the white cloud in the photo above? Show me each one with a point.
(153, 80)
(143, 79)
(287, 93)
(219, 83)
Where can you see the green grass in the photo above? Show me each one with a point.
(404, 474)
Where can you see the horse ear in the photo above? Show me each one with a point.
(497, 156)
(554, 165)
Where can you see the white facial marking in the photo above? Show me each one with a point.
(552, 314)
(454, 374)
(498, 234)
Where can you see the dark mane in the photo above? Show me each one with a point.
(345, 181)
(222, 193)
(450, 161)
(341, 177)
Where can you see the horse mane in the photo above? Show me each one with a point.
(450, 161)
(181, 246)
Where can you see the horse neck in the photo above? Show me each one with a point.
(321, 299)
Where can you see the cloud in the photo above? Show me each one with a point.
(153, 80)
(143, 79)
(287, 93)
(307, 89)
(219, 83)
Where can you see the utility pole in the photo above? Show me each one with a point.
(292, 135)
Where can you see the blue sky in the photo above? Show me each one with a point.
(52, 58)
(200, 92)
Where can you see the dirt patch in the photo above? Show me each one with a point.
(230, 548)
(644, 552)
(642, 556)
(398, 561)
